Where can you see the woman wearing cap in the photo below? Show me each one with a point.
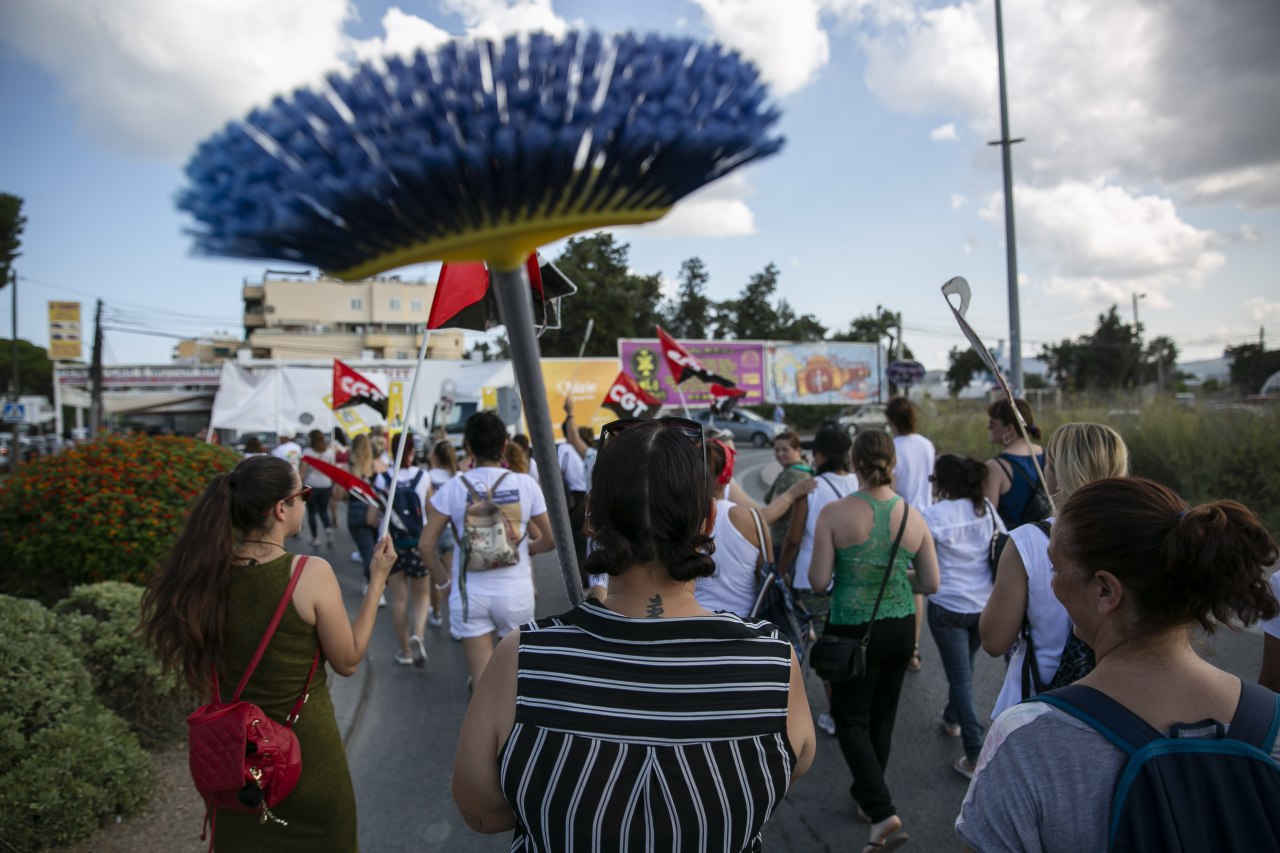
(852, 546)
(564, 742)
(204, 613)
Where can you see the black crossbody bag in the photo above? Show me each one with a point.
(841, 659)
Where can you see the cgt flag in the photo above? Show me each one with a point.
(463, 299)
(684, 366)
(626, 399)
(724, 399)
(352, 389)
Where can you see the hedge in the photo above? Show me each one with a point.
(104, 510)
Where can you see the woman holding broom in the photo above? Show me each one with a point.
(205, 611)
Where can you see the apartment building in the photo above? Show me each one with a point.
(295, 316)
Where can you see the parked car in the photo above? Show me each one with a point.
(868, 416)
(746, 426)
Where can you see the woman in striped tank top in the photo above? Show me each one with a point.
(650, 723)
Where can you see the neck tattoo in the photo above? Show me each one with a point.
(655, 607)
(250, 560)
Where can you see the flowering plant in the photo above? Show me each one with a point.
(105, 510)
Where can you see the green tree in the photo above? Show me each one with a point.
(755, 316)
(797, 327)
(689, 314)
(962, 366)
(1251, 365)
(1111, 357)
(875, 328)
(1159, 360)
(11, 224)
(35, 371)
(622, 304)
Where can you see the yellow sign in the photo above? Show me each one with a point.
(586, 380)
(64, 331)
(488, 398)
(395, 407)
(352, 423)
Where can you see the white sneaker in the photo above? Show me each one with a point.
(356, 558)
(382, 600)
(434, 619)
(418, 651)
(827, 723)
(403, 659)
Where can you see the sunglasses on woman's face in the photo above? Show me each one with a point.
(691, 430)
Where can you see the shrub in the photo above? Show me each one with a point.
(105, 510)
(100, 621)
(67, 764)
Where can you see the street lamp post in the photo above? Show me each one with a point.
(1011, 247)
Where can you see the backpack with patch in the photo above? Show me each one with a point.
(408, 509)
(488, 540)
(1038, 506)
(1187, 792)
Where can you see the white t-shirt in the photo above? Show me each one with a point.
(289, 451)
(911, 473)
(733, 586)
(831, 487)
(1050, 624)
(314, 478)
(963, 540)
(571, 467)
(521, 499)
(1272, 626)
(533, 469)
(439, 476)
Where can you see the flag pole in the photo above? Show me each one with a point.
(408, 431)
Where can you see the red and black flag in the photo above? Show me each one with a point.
(724, 399)
(626, 399)
(352, 389)
(463, 299)
(684, 366)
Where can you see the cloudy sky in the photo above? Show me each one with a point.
(1151, 163)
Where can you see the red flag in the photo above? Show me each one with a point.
(347, 480)
(352, 389)
(626, 399)
(463, 299)
(723, 399)
(683, 365)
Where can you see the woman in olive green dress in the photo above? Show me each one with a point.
(207, 608)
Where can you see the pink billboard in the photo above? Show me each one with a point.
(740, 361)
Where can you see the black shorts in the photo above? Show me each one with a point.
(410, 562)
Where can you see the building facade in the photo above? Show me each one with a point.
(297, 317)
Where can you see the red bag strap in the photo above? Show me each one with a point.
(266, 638)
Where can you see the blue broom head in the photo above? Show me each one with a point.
(482, 150)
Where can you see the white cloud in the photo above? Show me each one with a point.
(500, 18)
(1099, 87)
(1098, 243)
(717, 210)
(1264, 311)
(945, 133)
(785, 40)
(958, 201)
(403, 34)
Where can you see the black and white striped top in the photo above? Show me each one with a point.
(647, 734)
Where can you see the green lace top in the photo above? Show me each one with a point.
(859, 570)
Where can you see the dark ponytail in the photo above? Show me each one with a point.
(649, 501)
(184, 612)
(1205, 565)
(874, 458)
(1001, 411)
(962, 479)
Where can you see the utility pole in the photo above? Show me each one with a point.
(899, 336)
(13, 344)
(1011, 247)
(95, 376)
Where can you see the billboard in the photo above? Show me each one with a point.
(64, 331)
(825, 372)
(740, 361)
(586, 380)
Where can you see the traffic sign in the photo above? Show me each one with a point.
(15, 413)
(904, 372)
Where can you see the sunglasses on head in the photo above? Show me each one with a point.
(304, 493)
(691, 430)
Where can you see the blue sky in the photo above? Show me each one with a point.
(1152, 160)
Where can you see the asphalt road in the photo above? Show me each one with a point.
(401, 745)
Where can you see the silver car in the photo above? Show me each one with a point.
(745, 425)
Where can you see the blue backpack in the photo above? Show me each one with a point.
(408, 509)
(1188, 793)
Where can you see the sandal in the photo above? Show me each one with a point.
(915, 664)
(893, 842)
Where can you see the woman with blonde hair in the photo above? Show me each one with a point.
(362, 462)
(1077, 454)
